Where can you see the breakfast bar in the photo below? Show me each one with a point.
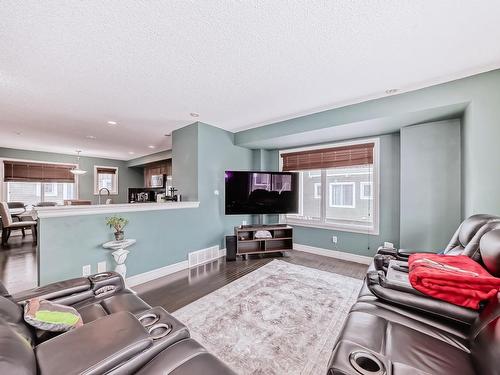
(71, 237)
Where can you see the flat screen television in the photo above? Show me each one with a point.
(261, 192)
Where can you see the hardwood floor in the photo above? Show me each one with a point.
(18, 268)
(181, 288)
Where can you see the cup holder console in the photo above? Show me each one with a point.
(159, 331)
(147, 320)
(366, 363)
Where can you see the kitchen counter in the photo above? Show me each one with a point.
(60, 211)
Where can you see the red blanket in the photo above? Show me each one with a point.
(455, 279)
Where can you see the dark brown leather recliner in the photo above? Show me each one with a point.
(416, 334)
(465, 241)
(409, 298)
(121, 334)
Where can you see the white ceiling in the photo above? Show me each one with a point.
(66, 68)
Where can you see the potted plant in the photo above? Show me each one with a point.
(117, 223)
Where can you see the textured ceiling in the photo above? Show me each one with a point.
(68, 67)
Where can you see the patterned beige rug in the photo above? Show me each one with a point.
(280, 319)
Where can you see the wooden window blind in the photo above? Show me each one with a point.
(343, 156)
(105, 170)
(37, 172)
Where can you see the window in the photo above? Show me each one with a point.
(342, 194)
(329, 196)
(317, 190)
(365, 190)
(50, 189)
(33, 182)
(32, 193)
(106, 178)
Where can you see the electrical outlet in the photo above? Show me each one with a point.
(244, 222)
(101, 266)
(86, 270)
(334, 239)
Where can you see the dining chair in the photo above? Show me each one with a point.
(19, 208)
(8, 224)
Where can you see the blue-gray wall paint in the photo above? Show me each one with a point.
(359, 243)
(163, 237)
(185, 161)
(430, 184)
(127, 177)
(481, 125)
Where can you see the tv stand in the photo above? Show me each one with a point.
(280, 242)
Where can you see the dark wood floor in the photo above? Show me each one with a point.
(181, 288)
(18, 269)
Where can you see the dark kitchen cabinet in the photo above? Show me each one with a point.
(163, 167)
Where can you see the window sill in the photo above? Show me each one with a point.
(337, 227)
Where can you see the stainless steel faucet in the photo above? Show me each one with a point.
(100, 190)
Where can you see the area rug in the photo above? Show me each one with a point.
(280, 319)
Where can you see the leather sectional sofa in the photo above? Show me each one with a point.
(394, 330)
(121, 334)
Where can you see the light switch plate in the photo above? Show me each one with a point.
(86, 270)
(101, 266)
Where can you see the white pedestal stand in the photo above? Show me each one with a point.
(120, 254)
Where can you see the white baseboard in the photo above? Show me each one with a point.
(156, 273)
(333, 253)
(164, 271)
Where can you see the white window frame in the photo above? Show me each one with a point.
(330, 194)
(362, 191)
(115, 190)
(3, 185)
(317, 190)
(354, 228)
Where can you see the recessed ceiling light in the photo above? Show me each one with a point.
(112, 123)
(19, 133)
(151, 146)
(194, 114)
(91, 137)
(131, 152)
(168, 135)
(391, 91)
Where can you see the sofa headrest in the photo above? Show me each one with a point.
(490, 251)
(471, 225)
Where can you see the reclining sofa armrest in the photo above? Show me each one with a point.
(94, 348)
(404, 254)
(414, 300)
(69, 292)
(387, 251)
(55, 290)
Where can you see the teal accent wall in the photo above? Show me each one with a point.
(127, 177)
(163, 237)
(430, 185)
(185, 161)
(481, 128)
